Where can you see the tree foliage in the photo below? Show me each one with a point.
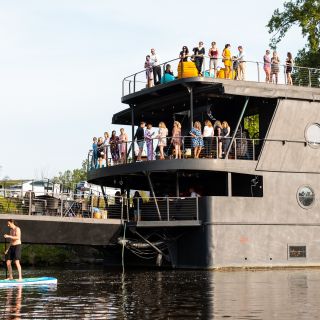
(305, 14)
(70, 178)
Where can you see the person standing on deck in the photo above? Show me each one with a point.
(140, 139)
(198, 54)
(149, 140)
(13, 253)
(241, 64)
(155, 66)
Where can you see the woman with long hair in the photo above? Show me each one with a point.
(184, 54)
(226, 54)
(114, 147)
(177, 139)
(267, 66)
(275, 65)
(207, 137)
(123, 139)
(197, 140)
(289, 66)
(162, 136)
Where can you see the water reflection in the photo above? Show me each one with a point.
(13, 303)
(97, 294)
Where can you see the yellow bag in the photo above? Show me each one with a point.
(189, 70)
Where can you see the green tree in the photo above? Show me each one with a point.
(70, 178)
(305, 14)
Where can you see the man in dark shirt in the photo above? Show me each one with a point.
(198, 56)
(140, 139)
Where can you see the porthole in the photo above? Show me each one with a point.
(305, 197)
(312, 135)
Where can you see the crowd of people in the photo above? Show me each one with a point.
(115, 144)
(115, 148)
(234, 65)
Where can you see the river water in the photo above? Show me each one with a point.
(145, 294)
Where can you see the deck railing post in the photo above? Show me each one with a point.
(217, 147)
(91, 206)
(235, 149)
(253, 150)
(30, 203)
(258, 69)
(134, 83)
(168, 210)
(309, 72)
(121, 208)
(197, 207)
(127, 206)
(61, 210)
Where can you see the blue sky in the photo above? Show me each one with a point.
(62, 63)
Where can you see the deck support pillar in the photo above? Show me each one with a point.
(132, 134)
(104, 197)
(177, 184)
(237, 127)
(229, 185)
(190, 90)
(147, 173)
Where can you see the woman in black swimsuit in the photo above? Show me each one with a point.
(289, 65)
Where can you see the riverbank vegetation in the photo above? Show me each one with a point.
(53, 255)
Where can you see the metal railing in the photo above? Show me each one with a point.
(213, 147)
(254, 71)
(101, 207)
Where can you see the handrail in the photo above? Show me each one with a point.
(302, 76)
(242, 148)
(98, 207)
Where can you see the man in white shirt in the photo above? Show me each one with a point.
(241, 64)
(155, 66)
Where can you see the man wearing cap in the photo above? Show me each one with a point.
(155, 66)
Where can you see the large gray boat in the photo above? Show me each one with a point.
(258, 206)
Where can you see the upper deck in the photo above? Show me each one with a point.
(249, 106)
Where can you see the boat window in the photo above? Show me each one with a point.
(297, 251)
(312, 135)
(305, 197)
(246, 185)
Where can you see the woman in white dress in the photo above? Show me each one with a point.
(162, 136)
